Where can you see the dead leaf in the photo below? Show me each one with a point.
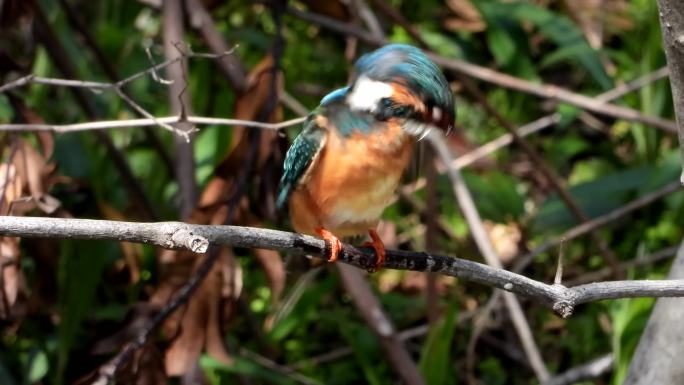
(201, 323)
(467, 18)
(12, 185)
(132, 252)
(600, 19)
(27, 176)
(10, 275)
(505, 238)
(332, 8)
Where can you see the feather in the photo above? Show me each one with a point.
(299, 158)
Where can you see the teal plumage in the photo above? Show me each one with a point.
(404, 63)
(303, 150)
(309, 142)
(343, 168)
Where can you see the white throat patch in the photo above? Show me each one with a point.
(367, 93)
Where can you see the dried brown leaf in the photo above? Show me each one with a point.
(199, 325)
(132, 252)
(505, 239)
(12, 184)
(468, 17)
(10, 275)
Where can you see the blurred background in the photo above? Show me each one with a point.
(605, 183)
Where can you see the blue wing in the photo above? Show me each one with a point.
(301, 155)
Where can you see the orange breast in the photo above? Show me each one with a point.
(351, 183)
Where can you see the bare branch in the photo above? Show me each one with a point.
(549, 120)
(601, 274)
(672, 27)
(598, 222)
(559, 269)
(117, 87)
(485, 74)
(107, 124)
(192, 237)
(592, 369)
(484, 244)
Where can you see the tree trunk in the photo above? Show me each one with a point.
(657, 358)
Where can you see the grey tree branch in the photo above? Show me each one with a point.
(485, 74)
(117, 87)
(179, 100)
(129, 123)
(672, 26)
(193, 237)
(588, 371)
(484, 244)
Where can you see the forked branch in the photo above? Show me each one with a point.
(560, 298)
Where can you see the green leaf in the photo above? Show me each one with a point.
(497, 196)
(38, 366)
(242, 366)
(629, 318)
(435, 359)
(6, 111)
(508, 42)
(80, 268)
(364, 344)
(606, 193)
(556, 27)
(501, 44)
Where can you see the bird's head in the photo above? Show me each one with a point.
(400, 83)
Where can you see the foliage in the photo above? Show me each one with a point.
(81, 301)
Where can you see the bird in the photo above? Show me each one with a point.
(342, 169)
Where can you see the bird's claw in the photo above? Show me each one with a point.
(333, 242)
(379, 247)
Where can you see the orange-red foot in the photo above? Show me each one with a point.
(379, 247)
(333, 241)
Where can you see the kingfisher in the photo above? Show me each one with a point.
(343, 168)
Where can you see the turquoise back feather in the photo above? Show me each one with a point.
(393, 63)
(309, 142)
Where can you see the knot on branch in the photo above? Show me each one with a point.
(565, 301)
(182, 237)
(563, 308)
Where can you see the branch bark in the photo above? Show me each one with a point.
(179, 99)
(672, 26)
(662, 342)
(182, 235)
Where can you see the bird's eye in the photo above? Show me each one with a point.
(390, 109)
(400, 111)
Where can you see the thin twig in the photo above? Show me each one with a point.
(484, 244)
(588, 371)
(559, 268)
(101, 59)
(274, 366)
(601, 274)
(107, 124)
(485, 74)
(201, 20)
(58, 55)
(597, 222)
(117, 87)
(549, 120)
